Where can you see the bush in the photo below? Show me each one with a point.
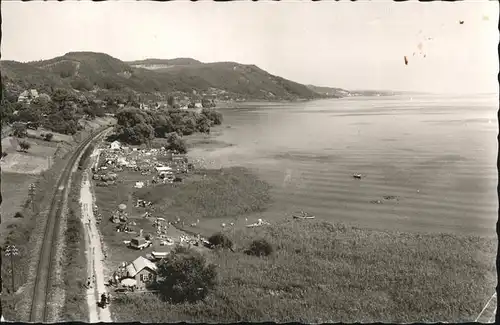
(4, 154)
(19, 130)
(48, 136)
(18, 215)
(185, 277)
(220, 240)
(260, 247)
(176, 143)
(24, 145)
(213, 115)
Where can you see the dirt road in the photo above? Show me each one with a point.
(94, 255)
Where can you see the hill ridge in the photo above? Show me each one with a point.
(91, 71)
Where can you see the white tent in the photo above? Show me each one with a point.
(128, 282)
(163, 169)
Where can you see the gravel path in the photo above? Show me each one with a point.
(94, 255)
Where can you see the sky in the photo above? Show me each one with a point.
(358, 45)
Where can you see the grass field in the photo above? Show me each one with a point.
(324, 272)
(58, 137)
(210, 194)
(37, 159)
(15, 194)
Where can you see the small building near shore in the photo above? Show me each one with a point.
(143, 271)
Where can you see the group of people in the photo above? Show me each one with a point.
(90, 282)
(105, 299)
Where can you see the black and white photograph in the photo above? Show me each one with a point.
(249, 161)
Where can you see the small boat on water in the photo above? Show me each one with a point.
(303, 215)
(357, 176)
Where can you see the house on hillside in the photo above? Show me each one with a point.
(144, 106)
(198, 105)
(27, 96)
(143, 271)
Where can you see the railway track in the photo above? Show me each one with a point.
(39, 304)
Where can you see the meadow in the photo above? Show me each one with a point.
(326, 272)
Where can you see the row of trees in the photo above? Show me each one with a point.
(58, 111)
(135, 126)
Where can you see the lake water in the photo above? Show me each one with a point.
(436, 154)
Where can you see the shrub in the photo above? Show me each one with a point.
(212, 115)
(176, 143)
(260, 247)
(19, 130)
(4, 154)
(18, 215)
(24, 145)
(185, 277)
(221, 241)
(48, 136)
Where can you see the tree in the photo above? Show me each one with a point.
(24, 145)
(162, 125)
(81, 84)
(61, 95)
(176, 143)
(185, 276)
(4, 154)
(48, 136)
(206, 103)
(7, 112)
(171, 101)
(220, 240)
(188, 125)
(18, 215)
(19, 130)
(30, 114)
(202, 123)
(260, 247)
(213, 115)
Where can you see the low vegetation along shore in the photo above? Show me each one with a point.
(325, 272)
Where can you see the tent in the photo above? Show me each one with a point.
(128, 282)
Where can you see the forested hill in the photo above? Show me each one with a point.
(90, 71)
